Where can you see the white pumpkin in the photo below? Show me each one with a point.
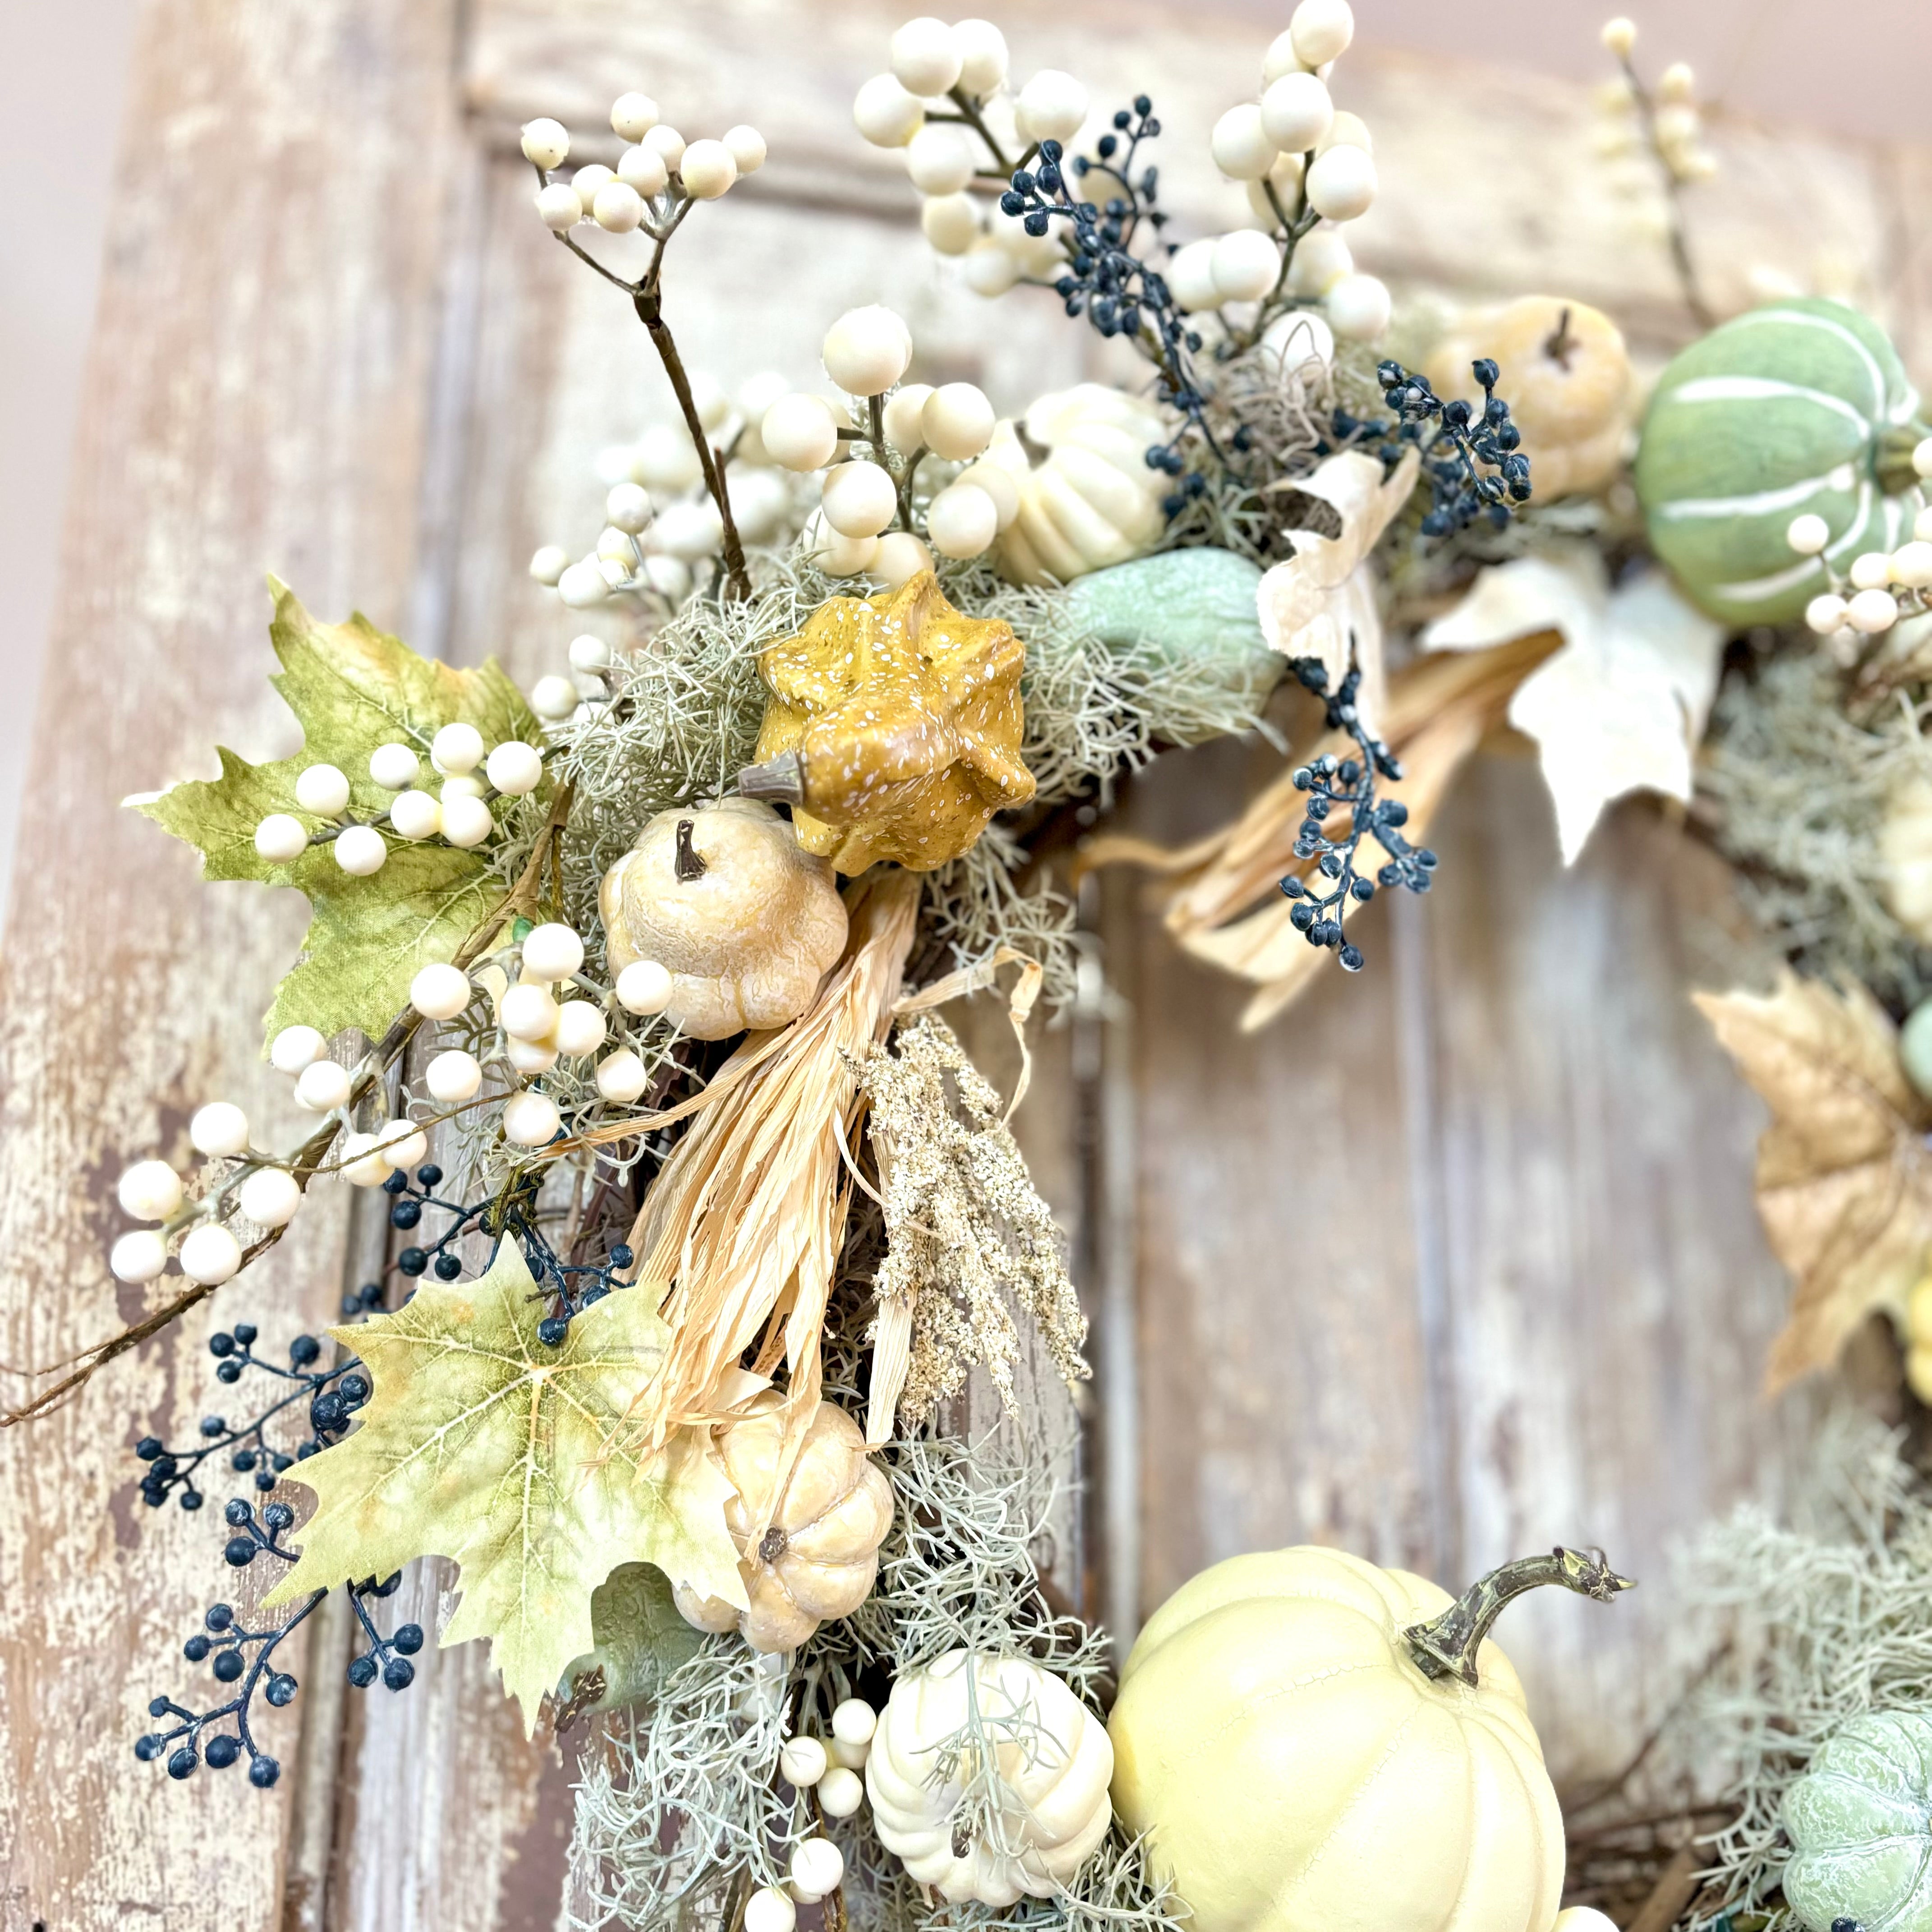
(1051, 1763)
(1092, 500)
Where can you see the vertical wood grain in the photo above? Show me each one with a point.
(254, 400)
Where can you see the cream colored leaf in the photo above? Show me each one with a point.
(1621, 706)
(1844, 1187)
(481, 1444)
(1314, 604)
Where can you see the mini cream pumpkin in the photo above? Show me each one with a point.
(723, 896)
(1567, 375)
(817, 1556)
(1091, 500)
(1314, 1745)
(1044, 1755)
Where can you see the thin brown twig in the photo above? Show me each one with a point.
(1679, 237)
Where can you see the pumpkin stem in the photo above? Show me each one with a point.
(1559, 345)
(690, 862)
(1446, 1646)
(782, 778)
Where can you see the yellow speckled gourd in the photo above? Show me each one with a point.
(1314, 1744)
(1566, 375)
(723, 897)
(818, 1555)
(894, 727)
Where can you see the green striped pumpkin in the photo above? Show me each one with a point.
(1798, 406)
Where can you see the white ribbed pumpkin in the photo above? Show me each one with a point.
(1294, 1770)
(1051, 1763)
(1092, 500)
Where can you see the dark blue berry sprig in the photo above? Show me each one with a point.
(244, 1658)
(388, 1656)
(569, 1288)
(1117, 290)
(1348, 785)
(332, 1394)
(1471, 456)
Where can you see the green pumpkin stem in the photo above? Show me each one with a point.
(1446, 1646)
(1891, 462)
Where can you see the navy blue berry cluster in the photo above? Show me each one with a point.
(571, 1288)
(1472, 455)
(1343, 790)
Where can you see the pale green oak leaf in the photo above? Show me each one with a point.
(481, 1444)
(352, 688)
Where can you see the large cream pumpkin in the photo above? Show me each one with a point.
(818, 1555)
(1091, 500)
(1042, 1767)
(1295, 1770)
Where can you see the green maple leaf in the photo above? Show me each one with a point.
(481, 1444)
(352, 688)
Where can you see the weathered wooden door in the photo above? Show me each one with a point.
(1457, 1260)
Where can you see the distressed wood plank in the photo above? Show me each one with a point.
(254, 400)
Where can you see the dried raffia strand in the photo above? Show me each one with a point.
(741, 1233)
(967, 1234)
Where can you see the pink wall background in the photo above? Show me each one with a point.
(1857, 67)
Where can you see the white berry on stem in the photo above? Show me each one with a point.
(546, 142)
(1243, 148)
(860, 499)
(360, 850)
(800, 432)
(866, 350)
(621, 1076)
(643, 987)
(962, 520)
(322, 789)
(515, 768)
(466, 822)
(633, 116)
(415, 814)
(323, 1087)
(140, 1255)
(294, 1048)
(441, 990)
(453, 1077)
(269, 1197)
(530, 1119)
(150, 1190)
(219, 1130)
(885, 114)
(212, 1255)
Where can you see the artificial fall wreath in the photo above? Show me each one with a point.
(622, 996)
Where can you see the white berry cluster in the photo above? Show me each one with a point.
(662, 532)
(656, 175)
(1879, 587)
(544, 1008)
(1666, 123)
(1308, 167)
(898, 425)
(946, 103)
(829, 1768)
(457, 812)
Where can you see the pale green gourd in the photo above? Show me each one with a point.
(1193, 609)
(1798, 406)
(1860, 1821)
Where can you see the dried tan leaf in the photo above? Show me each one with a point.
(1844, 1186)
(1321, 603)
(1227, 909)
(1621, 706)
(738, 1235)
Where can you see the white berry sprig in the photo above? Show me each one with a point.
(660, 177)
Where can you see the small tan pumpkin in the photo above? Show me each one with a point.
(1566, 375)
(1092, 500)
(723, 896)
(819, 1554)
